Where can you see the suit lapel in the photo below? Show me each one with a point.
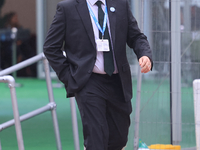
(112, 19)
(85, 16)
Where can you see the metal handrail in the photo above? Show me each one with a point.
(11, 81)
(23, 64)
(51, 106)
(29, 115)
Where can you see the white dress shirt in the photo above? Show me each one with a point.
(99, 64)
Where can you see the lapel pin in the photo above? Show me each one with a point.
(112, 9)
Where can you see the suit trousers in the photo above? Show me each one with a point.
(105, 114)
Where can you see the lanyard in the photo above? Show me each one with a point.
(96, 21)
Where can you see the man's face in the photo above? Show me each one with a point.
(14, 20)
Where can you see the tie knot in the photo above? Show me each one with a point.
(98, 3)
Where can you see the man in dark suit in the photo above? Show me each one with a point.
(95, 69)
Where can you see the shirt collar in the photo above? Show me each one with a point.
(92, 2)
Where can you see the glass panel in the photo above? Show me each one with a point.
(155, 124)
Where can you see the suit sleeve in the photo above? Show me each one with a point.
(53, 44)
(136, 39)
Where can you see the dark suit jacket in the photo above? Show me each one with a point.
(72, 24)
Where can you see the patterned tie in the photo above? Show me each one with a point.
(108, 56)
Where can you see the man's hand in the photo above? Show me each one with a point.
(145, 64)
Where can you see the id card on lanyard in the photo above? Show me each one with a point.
(102, 44)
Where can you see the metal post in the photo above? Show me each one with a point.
(40, 12)
(175, 72)
(137, 110)
(14, 49)
(11, 81)
(51, 99)
(139, 82)
(170, 49)
(74, 123)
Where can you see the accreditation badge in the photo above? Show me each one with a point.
(103, 45)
